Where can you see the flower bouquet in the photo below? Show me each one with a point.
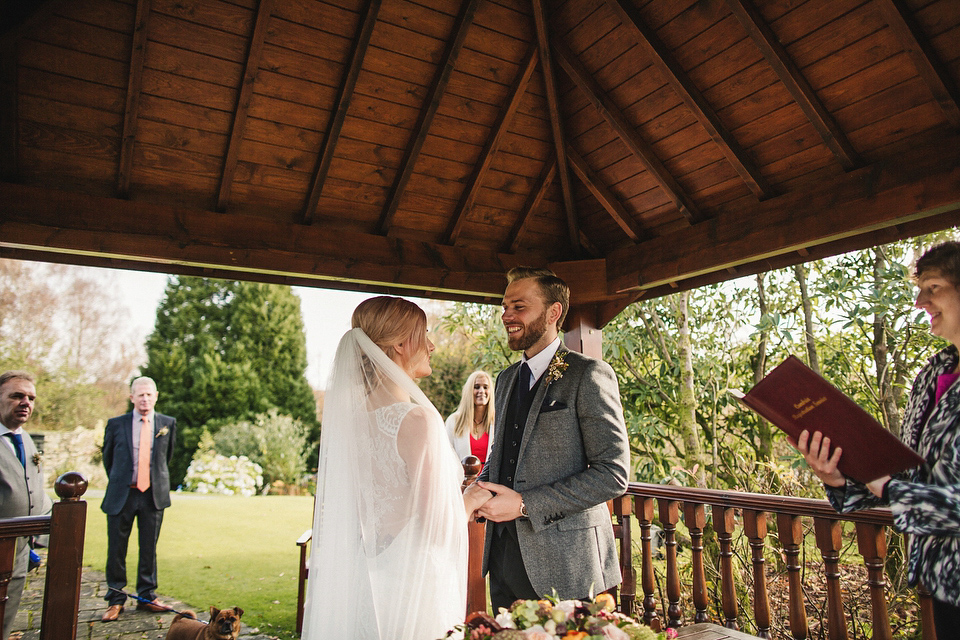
(553, 619)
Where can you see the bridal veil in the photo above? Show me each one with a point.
(389, 552)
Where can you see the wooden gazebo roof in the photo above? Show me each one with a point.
(638, 147)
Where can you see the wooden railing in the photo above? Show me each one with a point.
(65, 525)
(752, 512)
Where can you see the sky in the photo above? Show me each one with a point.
(326, 315)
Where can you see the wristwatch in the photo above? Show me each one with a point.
(523, 509)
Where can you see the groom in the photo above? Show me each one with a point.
(560, 452)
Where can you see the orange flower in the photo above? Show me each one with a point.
(576, 635)
(606, 601)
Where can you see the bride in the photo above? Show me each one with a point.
(389, 556)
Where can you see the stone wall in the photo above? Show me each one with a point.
(76, 450)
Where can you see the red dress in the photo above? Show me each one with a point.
(478, 447)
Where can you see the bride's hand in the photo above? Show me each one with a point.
(474, 497)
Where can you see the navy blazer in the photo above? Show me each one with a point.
(118, 460)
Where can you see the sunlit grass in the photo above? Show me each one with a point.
(224, 551)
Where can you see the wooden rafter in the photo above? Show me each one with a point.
(469, 195)
(239, 125)
(341, 106)
(928, 63)
(627, 133)
(795, 82)
(422, 127)
(691, 96)
(132, 108)
(607, 199)
(924, 181)
(556, 124)
(531, 205)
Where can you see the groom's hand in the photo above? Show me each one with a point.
(503, 506)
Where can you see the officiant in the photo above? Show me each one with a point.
(925, 501)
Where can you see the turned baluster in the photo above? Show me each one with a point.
(755, 526)
(476, 531)
(644, 509)
(695, 517)
(926, 613)
(790, 532)
(829, 541)
(623, 509)
(669, 516)
(872, 543)
(723, 524)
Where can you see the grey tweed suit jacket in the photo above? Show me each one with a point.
(574, 457)
(22, 494)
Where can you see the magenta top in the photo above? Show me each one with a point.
(944, 380)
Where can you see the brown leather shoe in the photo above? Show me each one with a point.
(155, 605)
(112, 613)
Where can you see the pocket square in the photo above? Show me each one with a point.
(553, 405)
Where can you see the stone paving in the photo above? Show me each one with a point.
(132, 625)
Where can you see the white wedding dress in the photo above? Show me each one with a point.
(389, 549)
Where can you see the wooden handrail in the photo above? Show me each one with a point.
(65, 525)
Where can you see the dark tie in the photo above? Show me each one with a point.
(526, 376)
(18, 445)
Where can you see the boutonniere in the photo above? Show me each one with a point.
(557, 366)
(164, 431)
(36, 459)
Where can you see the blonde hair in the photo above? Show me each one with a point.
(463, 416)
(390, 321)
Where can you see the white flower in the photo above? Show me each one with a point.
(536, 632)
(613, 632)
(567, 606)
(505, 620)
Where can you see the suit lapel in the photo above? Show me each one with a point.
(506, 381)
(542, 389)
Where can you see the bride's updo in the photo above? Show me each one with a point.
(390, 321)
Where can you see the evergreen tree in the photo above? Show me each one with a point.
(227, 350)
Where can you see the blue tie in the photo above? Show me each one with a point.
(18, 441)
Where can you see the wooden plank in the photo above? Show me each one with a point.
(195, 92)
(223, 16)
(198, 38)
(532, 205)
(239, 125)
(795, 82)
(72, 64)
(425, 119)
(182, 114)
(922, 182)
(610, 203)
(189, 64)
(9, 110)
(556, 124)
(927, 61)
(131, 111)
(493, 144)
(693, 99)
(627, 133)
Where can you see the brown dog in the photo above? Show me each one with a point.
(224, 625)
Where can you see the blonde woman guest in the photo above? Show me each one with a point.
(389, 558)
(470, 427)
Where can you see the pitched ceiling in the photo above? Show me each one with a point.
(637, 147)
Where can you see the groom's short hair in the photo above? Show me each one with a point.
(552, 287)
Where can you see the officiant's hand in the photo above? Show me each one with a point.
(816, 451)
(503, 506)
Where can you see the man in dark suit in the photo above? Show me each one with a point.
(137, 447)
(560, 452)
(21, 478)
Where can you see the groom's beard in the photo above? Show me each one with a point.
(529, 335)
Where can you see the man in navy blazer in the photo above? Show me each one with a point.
(137, 447)
(560, 452)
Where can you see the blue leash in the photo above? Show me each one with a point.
(139, 599)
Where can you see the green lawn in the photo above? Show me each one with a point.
(224, 551)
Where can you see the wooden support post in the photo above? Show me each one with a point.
(61, 592)
(8, 552)
(872, 543)
(623, 509)
(829, 540)
(790, 532)
(644, 510)
(723, 524)
(755, 526)
(476, 534)
(669, 516)
(695, 517)
(581, 333)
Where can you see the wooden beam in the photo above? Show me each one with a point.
(930, 67)
(422, 127)
(341, 106)
(691, 96)
(9, 111)
(531, 205)
(627, 133)
(607, 199)
(132, 108)
(48, 221)
(556, 124)
(920, 183)
(469, 195)
(795, 82)
(239, 125)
